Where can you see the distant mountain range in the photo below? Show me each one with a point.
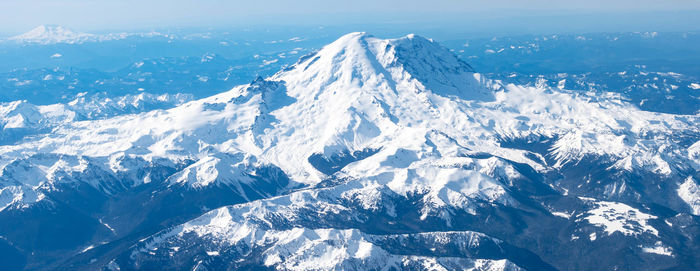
(367, 154)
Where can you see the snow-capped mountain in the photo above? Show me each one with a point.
(369, 153)
(49, 34)
(56, 34)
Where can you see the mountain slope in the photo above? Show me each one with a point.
(363, 143)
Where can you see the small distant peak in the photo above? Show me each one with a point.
(48, 34)
(49, 28)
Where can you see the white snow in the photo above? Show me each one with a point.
(689, 191)
(87, 248)
(659, 249)
(562, 214)
(618, 217)
(107, 225)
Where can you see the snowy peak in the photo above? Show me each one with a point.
(50, 34)
(359, 59)
(55, 34)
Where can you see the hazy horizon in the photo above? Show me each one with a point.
(541, 16)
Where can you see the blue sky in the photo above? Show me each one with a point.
(19, 15)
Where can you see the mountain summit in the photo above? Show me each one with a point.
(49, 34)
(409, 62)
(370, 153)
